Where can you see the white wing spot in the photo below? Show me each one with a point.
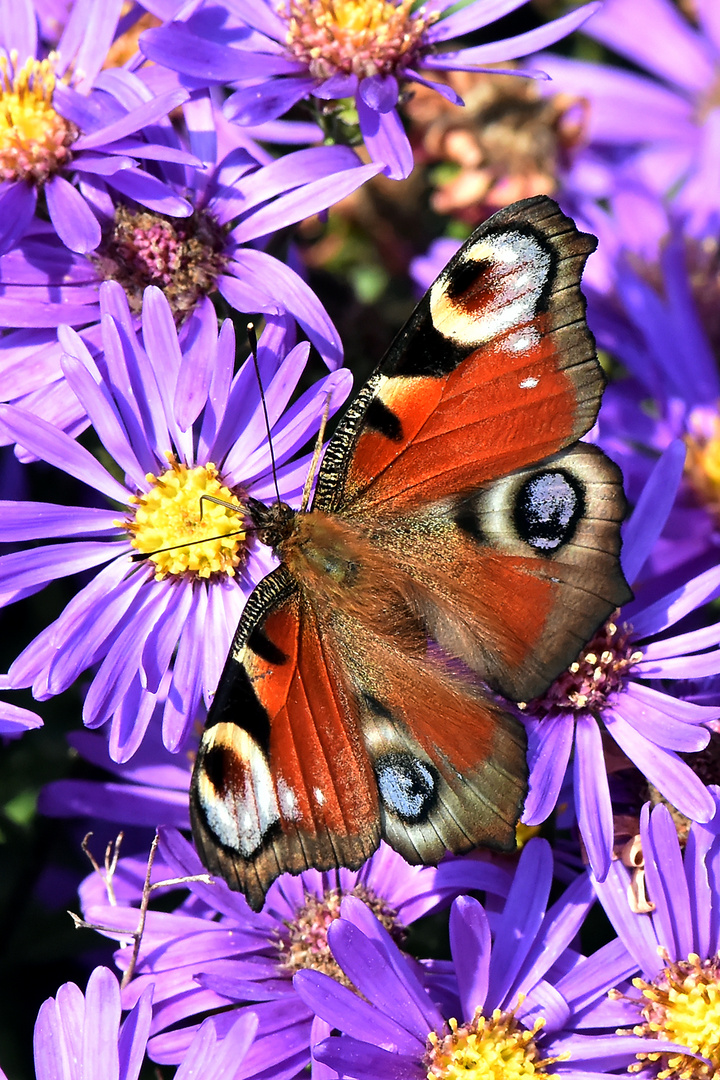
(288, 800)
(318, 796)
(529, 383)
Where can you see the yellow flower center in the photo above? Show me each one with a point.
(34, 139)
(494, 1048)
(702, 464)
(355, 37)
(304, 943)
(183, 533)
(682, 1005)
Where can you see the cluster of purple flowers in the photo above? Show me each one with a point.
(155, 161)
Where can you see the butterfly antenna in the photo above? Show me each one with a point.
(252, 339)
(317, 452)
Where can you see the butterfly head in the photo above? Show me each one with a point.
(273, 523)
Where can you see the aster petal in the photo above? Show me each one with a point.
(379, 92)
(380, 972)
(178, 48)
(652, 509)
(417, 1004)
(76, 225)
(142, 408)
(610, 1051)
(364, 1061)
(159, 648)
(605, 969)
(510, 48)
(129, 721)
(93, 395)
(657, 616)
(186, 688)
(559, 927)
(262, 17)
(470, 945)
(19, 27)
(122, 803)
(520, 921)
(166, 361)
(636, 932)
(592, 794)
(267, 101)
(181, 855)
(472, 16)
(550, 742)
(445, 91)
(337, 86)
(149, 191)
(33, 568)
(17, 207)
(681, 667)
(698, 845)
(16, 721)
(299, 423)
(709, 19)
(661, 727)
(651, 110)
(140, 117)
(33, 520)
(689, 64)
(386, 140)
(56, 448)
(681, 644)
(121, 662)
(664, 769)
(667, 883)
(57, 655)
(309, 199)
(278, 284)
(316, 163)
(102, 1022)
(218, 393)
(344, 1010)
(87, 37)
(53, 1060)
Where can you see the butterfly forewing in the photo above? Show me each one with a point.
(459, 539)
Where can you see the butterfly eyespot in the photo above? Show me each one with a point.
(407, 786)
(547, 509)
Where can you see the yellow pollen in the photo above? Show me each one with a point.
(702, 465)
(171, 515)
(682, 1005)
(495, 1048)
(34, 138)
(355, 37)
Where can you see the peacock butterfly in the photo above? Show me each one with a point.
(461, 544)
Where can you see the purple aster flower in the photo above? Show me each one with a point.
(79, 1037)
(68, 138)
(518, 985)
(613, 691)
(673, 936)
(337, 49)
(179, 426)
(660, 124)
(152, 787)
(212, 953)
(236, 203)
(652, 304)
